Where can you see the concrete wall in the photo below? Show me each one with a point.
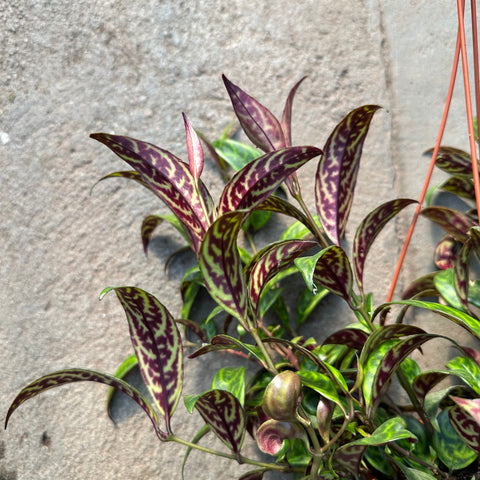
(72, 68)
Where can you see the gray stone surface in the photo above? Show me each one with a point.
(72, 68)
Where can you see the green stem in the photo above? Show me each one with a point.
(239, 458)
(321, 239)
(268, 359)
(303, 419)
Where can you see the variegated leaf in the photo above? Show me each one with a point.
(333, 271)
(463, 187)
(446, 252)
(349, 456)
(220, 264)
(130, 174)
(236, 154)
(453, 222)
(453, 160)
(157, 344)
(169, 178)
(268, 262)
(424, 382)
(421, 287)
(465, 419)
(390, 361)
(194, 148)
(257, 121)
(468, 370)
(151, 222)
(73, 375)
(461, 269)
(231, 379)
(351, 337)
(286, 122)
(225, 416)
(368, 230)
(254, 183)
(338, 168)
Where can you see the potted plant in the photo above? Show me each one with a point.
(317, 407)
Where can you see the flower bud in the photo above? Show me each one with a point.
(282, 396)
(325, 410)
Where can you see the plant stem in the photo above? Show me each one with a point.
(268, 359)
(218, 453)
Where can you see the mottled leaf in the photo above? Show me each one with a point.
(257, 121)
(321, 384)
(194, 148)
(169, 178)
(368, 230)
(351, 337)
(338, 168)
(421, 287)
(73, 375)
(157, 344)
(130, 174)
(235, 153)
(465, 419)
(461, 272)
(254, 183)
(453, 160)
(223, 413)
(444, 283)
(425, 381)
(451, 449)
(462, 187)
(221, 267)
(231, 379)
(269, 262)
(468, 370)
(453, 222)
(446, 252)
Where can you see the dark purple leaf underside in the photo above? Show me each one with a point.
(158, 347)
(460, 186)
(424, 382)
(130, 174)
(221, 267)
(253, 475)
(472, 353)
(286, 122)
(391, 361)
(351, 337)
(453, 160)
(465, 419)
(261, 177)
(455, 223)
(422, 286)
(349, 457)
(338, 168)
(368, 230)
(257, 121)
(225, 416)
(72, 375)
(194, 148)
(225, 342)
(333, 272)
(446, 252)
(269, 262)
(169, 178)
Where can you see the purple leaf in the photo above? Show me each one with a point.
(465, 419)
(333, 272)
(349, 457)
(368, 230)
(223, 413)
(130, 174)
(455, 223)
(151, 222)
(194, 147)
(270, 261)
(461, 186)
(254, 183)
(446, 252)
(338, 168)
(221, 267)
(257, 121)
(253, 475)
(157, 345)
(424, 382)
(422, 286)
(351, 337)
(453, 160)
(169, 178)
(73, 375)
(461, 269)
(472, 353)
(287, 114)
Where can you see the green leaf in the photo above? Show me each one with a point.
(444, 282)
(231, 379)
(338, 168)
(467, 369)
(157, 344)
(73, 375)
(390, 431)
(236, 154)
(321, 384)
(450, 448)
(306, 303)
(453, 222)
